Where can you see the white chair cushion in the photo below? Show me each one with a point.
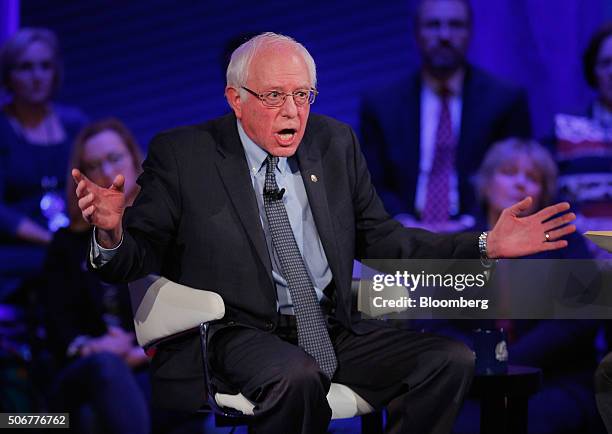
(343, 401)
(163, 308)
(237, 402)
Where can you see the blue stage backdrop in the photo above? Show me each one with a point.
(158, 64)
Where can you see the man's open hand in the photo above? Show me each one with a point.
(515, 236)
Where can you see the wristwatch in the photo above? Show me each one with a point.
(482, 248)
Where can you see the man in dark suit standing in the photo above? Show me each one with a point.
(269, 206)
(425, 136)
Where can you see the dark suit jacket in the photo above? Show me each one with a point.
(196, 222)
(391, 134)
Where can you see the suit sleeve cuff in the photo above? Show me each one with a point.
(98, 255)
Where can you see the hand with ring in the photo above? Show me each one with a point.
(515, 235)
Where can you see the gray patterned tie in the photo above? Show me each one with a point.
(312, 331)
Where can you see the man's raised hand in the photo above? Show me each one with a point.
(101, 207)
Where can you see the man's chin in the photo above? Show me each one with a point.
(443, 68)
(284, 151)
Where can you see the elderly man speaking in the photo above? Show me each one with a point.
(268, 206)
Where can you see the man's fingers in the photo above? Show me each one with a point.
(550, 211)
(554, 245)
(88, 212)
(118, 183)
(522, 206)
(559, 221)
(81, 190)
(565, 230)
(86, 201)
(76, 175)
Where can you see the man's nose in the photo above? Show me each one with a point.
(445, 31)
(289, 107)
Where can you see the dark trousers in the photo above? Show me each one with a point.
(423, 376)
(101, 387)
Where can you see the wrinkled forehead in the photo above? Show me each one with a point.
(279, 64)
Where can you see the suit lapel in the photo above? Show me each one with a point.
(469, 119)
(234, 172)
(412, 125)
(311, 168)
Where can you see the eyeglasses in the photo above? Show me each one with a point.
(274, 98)
(113, 159)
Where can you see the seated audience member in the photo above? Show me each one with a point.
(563, 349)
(584, 152)
(584, 144)
(90, 324)
(424, 137)
(35, 139)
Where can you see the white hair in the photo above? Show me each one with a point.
(238, 68)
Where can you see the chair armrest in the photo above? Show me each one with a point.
(163, 308)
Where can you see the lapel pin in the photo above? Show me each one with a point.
(314, 178)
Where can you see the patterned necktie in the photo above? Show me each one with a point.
(437, 202)
(312, 331)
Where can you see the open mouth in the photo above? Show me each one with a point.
(286, 135)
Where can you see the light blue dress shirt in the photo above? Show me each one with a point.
(300, 217)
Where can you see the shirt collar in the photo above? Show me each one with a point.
(453, 84)
(256, 156)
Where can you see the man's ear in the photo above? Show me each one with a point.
(233, 99)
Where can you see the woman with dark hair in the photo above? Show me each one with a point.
(584, 143)
(35, 140)
(597, 68)
(89, 325)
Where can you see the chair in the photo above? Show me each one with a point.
(164, 309)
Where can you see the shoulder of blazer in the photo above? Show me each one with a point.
(217, 134)
(321, 133)
(396, 93)
(325, 125)
(486, 84)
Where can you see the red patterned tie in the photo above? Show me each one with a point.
(437, 202)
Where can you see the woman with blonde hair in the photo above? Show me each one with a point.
(35, 139)
(511, 170)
